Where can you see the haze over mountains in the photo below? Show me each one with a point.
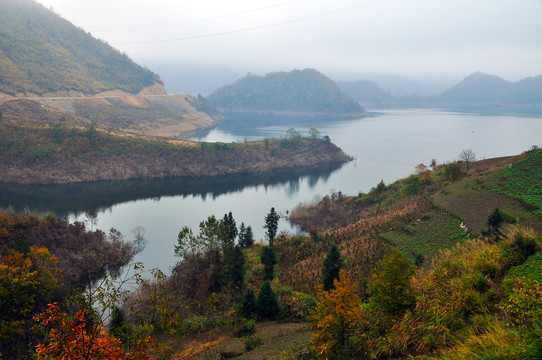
(50, 70)
(476, 92)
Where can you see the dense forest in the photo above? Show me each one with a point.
(296, 91)
(444, 264)
(42, 53)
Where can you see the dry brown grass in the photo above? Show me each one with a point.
(277, 339)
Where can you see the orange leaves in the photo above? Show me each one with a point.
(335, 317)
(77, 338)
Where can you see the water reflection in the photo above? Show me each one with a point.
(64, 200)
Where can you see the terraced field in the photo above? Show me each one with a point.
(427, 235)
(523, 181)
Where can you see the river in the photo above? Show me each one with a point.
(386, 146)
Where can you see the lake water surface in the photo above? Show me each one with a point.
(386, 146)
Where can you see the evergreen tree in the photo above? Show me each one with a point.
(495, 219)
(246, 238)
(268, 259)
(267, 305)
(236, 267)
(271, 225)
(248, 305)
(389, 287)
(216, 278)
(230, 229)
(332, 267)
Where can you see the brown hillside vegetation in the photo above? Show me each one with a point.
(144, 114)
(301, 259)
(61, 155)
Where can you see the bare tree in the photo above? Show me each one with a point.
(467, 156)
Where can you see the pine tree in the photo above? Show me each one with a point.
(495, 220)
(271, 224)
(246, 238)
(230, 229)
(248, 305)
(332, 267)
(267, 305)
(268, 259)
(235, 261)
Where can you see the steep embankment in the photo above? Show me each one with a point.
(62, 155)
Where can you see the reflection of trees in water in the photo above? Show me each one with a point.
(76, 198)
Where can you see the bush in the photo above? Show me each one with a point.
(253, 342)
(248, 328)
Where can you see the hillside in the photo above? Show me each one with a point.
(50, 70)
(61, 155)
(298, 91)
(42, 53)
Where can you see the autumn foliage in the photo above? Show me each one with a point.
(78, 338)
(336, 313)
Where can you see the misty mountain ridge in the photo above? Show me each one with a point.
(477, 92)
(297, 91)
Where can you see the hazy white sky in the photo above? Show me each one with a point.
(407, 37)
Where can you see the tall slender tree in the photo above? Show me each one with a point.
(271, 225)
(268, 259)
(230, 229)
(246, 237)
(332, 267)
(267, 305)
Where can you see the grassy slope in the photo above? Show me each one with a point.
(40, 52)
(425, 236)
(473, 198)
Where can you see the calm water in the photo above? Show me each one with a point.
(386, 146)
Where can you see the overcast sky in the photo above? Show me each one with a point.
(413, 38)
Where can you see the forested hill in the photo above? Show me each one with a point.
(40, 53)
(296, 91)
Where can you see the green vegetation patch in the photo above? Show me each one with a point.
(530, 269)
(425, 236)
(523, 181)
